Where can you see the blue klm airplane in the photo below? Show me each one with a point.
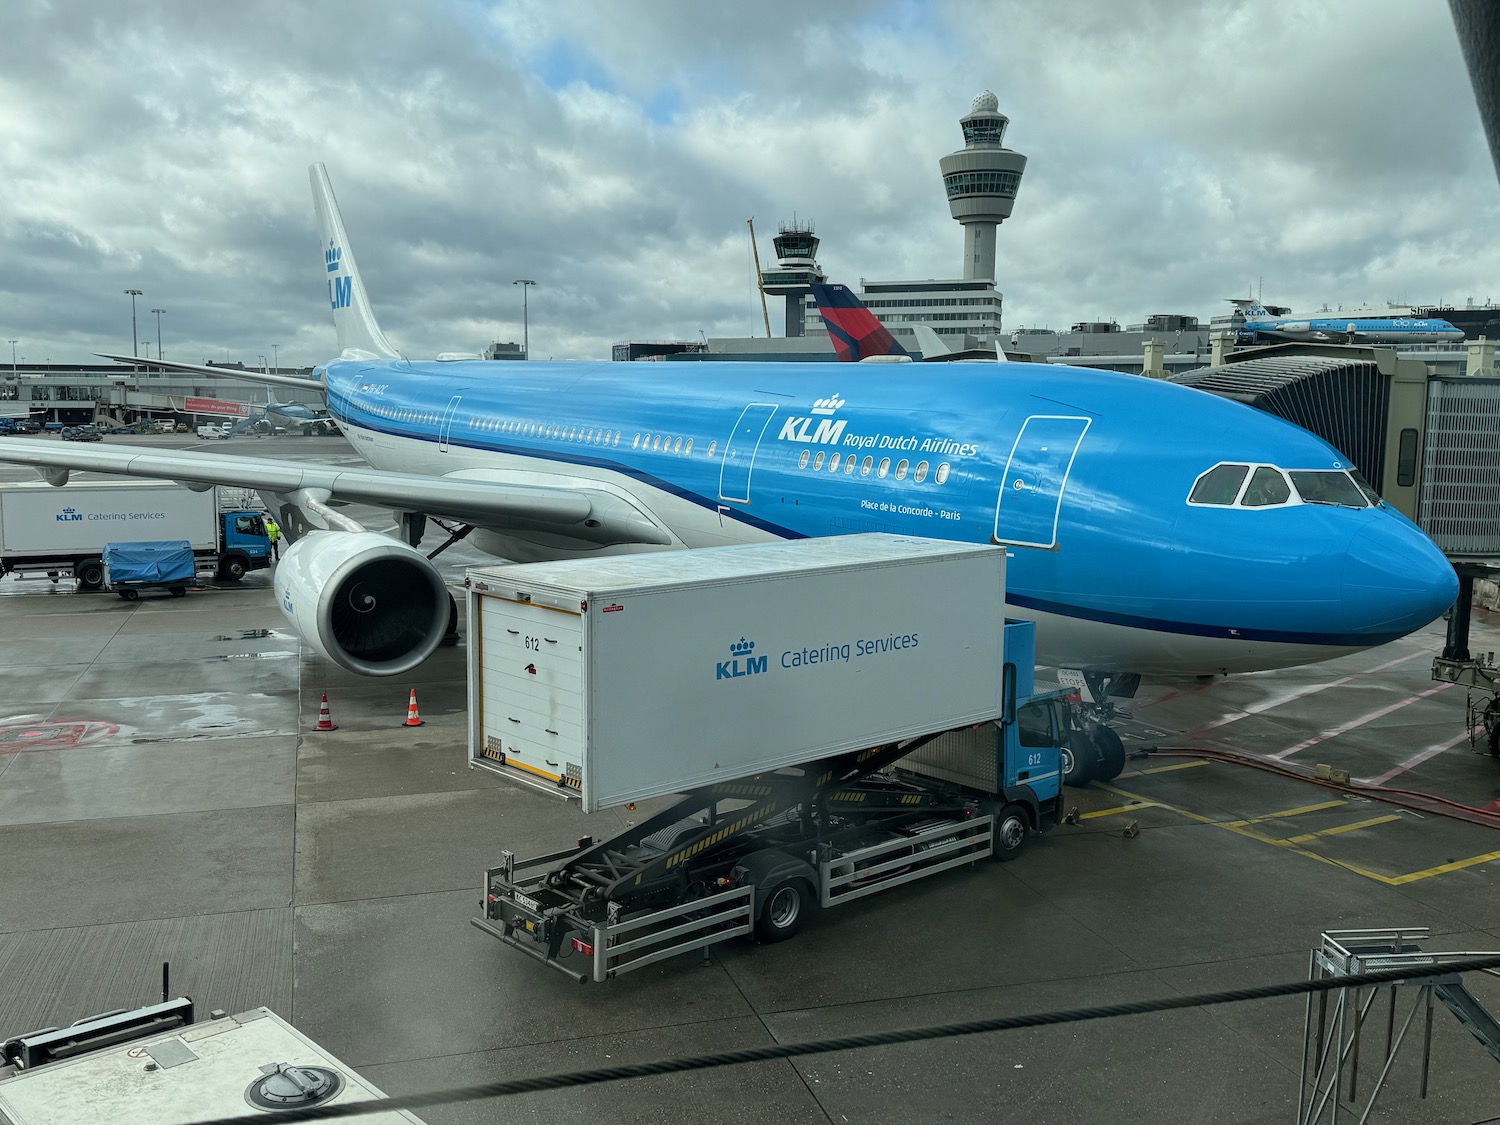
(1153, 528)
(1262, 323)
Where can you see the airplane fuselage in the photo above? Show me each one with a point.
(1086, 474)
(1356, 330)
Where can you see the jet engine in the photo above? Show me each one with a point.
(365, 601)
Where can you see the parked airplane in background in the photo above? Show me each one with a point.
(1153, 528)
(1262, 323)
(858, 335)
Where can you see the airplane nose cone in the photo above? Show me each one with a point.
(1395, 580)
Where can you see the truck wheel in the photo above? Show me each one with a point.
(1111, 754)
(1012, 828)
(179, 591)
(232, 568)
(90, 573)
(1078, 756)
(782, 911)
(130, 595)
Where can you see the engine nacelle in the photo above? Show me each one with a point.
(365, 601)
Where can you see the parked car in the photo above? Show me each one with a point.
(80, 433)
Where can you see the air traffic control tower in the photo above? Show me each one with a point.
(797, 267)
(981, 180)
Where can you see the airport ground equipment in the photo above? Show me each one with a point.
(158, 1063)
(130, 568)
(61, 532)
(913, 744)
(1342, 1030)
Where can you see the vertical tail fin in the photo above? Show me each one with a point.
(855, 332)
(358, 333)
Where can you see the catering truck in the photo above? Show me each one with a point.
(62, 532)
(836, 716)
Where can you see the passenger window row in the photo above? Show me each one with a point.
(851, 464)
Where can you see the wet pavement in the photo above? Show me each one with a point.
(164, 796)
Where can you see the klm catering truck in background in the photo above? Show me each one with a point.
(838, 716)
(62, 532)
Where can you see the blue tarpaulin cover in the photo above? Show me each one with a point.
(169, 562)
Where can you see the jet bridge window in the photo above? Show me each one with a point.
(1220, 485)
(1331, 487)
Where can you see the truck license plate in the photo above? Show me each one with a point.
(523, 900)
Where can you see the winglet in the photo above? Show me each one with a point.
(854, 330)
(358, 333)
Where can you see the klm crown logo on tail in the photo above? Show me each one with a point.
(340, 289)
(741, 662)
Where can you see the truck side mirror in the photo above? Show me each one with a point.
(1008, 694)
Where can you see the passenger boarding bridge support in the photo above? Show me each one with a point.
(1335, 1028)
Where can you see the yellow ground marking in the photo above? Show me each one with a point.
(1342, 828)
(1168, 769)
(1285, 813)
(1116, 811)
(1237, 827)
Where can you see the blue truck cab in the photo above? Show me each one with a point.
(243, 544)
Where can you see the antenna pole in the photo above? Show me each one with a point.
(759, 284)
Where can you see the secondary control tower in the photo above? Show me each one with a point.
(797, 267)
(982, 179)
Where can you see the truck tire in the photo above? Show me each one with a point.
(1078, 758)
(1012, 830)
(783, 909)
(233, 567)
(179, 591)
(1111, 754)
(90, 573)
(130, 595)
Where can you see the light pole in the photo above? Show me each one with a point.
(158, 313)
(525, 283)
(13, 344)
(262, 363)
(135, 348)
(275, 359)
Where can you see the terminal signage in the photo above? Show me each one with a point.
(214, 406)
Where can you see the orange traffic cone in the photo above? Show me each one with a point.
(325, 722)
(412, 718)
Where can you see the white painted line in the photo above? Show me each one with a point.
(1302, 693)
(1416, 760)
(1344, 728)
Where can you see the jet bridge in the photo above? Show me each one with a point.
(1341, 1029)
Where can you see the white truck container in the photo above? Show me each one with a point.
(631, 676)
(60, 531)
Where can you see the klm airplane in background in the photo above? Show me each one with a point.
(1154, 529)
(1262, 323)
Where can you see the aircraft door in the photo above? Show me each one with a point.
(739, 452)
(1036, 475)
(447, 423)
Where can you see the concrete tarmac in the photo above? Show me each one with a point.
(165, 797)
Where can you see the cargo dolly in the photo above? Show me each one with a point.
(753, 857)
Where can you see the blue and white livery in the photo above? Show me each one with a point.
(1262, 324)
(1154, 528)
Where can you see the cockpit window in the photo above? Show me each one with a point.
(1331, 487)
(1220, 485)
(1367, 488)
(1267, 487)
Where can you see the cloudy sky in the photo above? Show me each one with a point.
(1180, 152)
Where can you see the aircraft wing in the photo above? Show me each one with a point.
(578, 513)
(221, 372)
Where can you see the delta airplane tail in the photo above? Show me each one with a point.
(359, 334)
(854, 330)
